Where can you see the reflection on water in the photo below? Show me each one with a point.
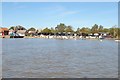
(48, 58)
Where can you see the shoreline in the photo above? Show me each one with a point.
(62, 38)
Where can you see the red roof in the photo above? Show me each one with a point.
(4, 29)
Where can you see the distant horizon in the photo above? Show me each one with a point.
(49, 14)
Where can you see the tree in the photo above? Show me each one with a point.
(118, 33)
(78, 31)
(46, 30)
(94, 29)
(69, 29)
(60, 28)
(19, 27)
(12, 27)
(53, 31)
(85, 30)
(32, 29)
(115, 32)
(100, 28)
(105, 30)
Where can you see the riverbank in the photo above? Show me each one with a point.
(70, 37)
(64, 37)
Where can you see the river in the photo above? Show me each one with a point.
(51, 58)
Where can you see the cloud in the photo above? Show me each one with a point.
(66, 13)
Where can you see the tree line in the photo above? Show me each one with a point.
(62, 28)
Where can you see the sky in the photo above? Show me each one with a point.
(50, 14)
(60, 0)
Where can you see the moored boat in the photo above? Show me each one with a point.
(117, 40)
(15, 35)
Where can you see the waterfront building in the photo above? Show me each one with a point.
(4, 31)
